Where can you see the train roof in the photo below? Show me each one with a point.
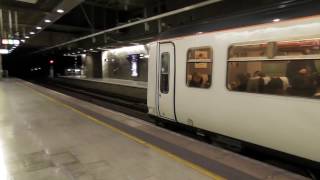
(256, 17)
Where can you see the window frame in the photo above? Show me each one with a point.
(210, 60)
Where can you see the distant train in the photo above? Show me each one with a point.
(259, 84)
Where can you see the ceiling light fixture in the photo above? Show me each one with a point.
(27, 37)
(38, 27)
(32, 32)
(60, 11)
(5, 41)
(276, 20)
(47, 21)
(4, 51)
(16, 42)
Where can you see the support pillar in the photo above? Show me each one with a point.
(93, 65)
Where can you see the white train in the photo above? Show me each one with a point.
(258, 84)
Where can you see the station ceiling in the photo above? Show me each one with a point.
(83, 17)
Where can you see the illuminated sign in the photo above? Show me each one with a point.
(134, 59)
(4, 51)
(10, 41)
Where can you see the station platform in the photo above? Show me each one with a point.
(132, 90)
(122, 82)
(46, 135)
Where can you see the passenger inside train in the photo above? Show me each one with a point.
(290, 68)
(292, 78)
(199, 67)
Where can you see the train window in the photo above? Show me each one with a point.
(294, 71)
(298, 48)
(165, 69)
(199, 67)
(251, 50)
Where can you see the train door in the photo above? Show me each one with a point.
(166, 79)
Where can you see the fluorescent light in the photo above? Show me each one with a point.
(23, 40)
(10, 41)
(60, 11)
(276, 20)
(5, 41)
(4, 51)
(47, 21)
(32, 32)
(27, 37)
(16, 42)
(38, 27)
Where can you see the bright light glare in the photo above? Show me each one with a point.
(38, 27)
(129, 49)
(4, 51)
(47, 21)
(32, 32)
(60, 11)
(134, 69)
(276, 20)
(11, 41)
(5, 41)
(27, 37)
(16, 42)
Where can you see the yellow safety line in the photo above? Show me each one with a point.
(138, 140)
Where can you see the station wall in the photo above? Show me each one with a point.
(117, 65)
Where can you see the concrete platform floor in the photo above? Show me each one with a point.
(46, 135)
(42, 140)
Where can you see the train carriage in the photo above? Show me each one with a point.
(258, 84)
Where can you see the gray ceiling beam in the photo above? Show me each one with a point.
(153, 18)
(24, 9)
(100, 5)
(110, 4)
